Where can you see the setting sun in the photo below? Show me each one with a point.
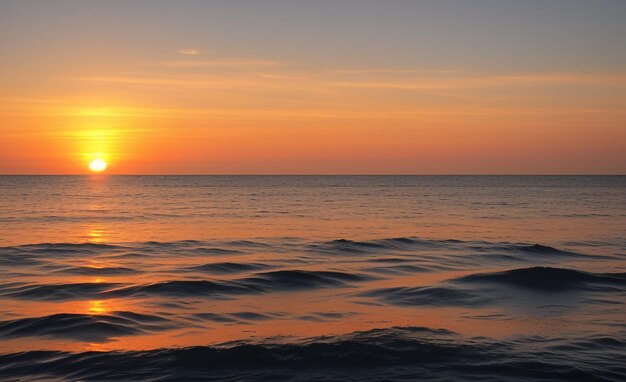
(97, 165)
(235, 190)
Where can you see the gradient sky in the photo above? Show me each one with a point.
(313, 87)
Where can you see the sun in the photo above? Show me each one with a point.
(97, 165)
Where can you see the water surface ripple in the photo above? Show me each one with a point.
(313, 278)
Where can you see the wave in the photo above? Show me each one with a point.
(389, 260)
(56, 292)
(497, 288)
(93, 271)
(488, 253)
(19, 260)
(399, 353)
(83, 327)
(267, 282)
(181, 288)
(31, 252)
(402, 269)
(445, 254)
(236, 317)
(248, 243)
(457, 253)
(430, 296)
(325, 316)
(536, 251)
(287, 280)
(541, 249)
(214, 317)
(216, 251)
(253, 316)
(549, 279)
(62, 248)
(228, 267)
(345, 246)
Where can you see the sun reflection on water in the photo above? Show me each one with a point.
(97, 307)
(96, 235)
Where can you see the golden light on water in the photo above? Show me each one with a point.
(97, 307)
(97, 165)
(96, 235)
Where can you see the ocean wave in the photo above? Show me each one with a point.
(326, 316)
(267, 282)
(446, 254)
(84, 327)
(286, 280)
(215, 251)
(228, 267)
(94, 271)
(457, 252)
(500, 288)
(248, 243)
(549, 279)
(403, 269)
(237, 317)
(188, 289)
(56, 292)
(399, 353)
(19, 260)
(430, 296)
(62, 248)
(541, 249)
(181, 288)
(345, 246)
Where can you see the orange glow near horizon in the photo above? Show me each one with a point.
(374, 138)
(298, 108)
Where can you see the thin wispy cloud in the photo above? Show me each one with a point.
(423, 82)
(394, 85)
(190, 52)
(397, 71)
(567, 78)
(286, 80)
(232, 63)
(186, 82)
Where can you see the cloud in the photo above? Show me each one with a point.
(258, 75)
(233, 63)
(425, 82)
(190, 52)
(567, 78)
(398, 71)
(421, 85)
(198, 82)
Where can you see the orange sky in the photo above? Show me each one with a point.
(153, 91)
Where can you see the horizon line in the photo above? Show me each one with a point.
(294, 174)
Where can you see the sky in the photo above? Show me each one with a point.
(313, 87)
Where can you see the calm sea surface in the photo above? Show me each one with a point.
(313, 278)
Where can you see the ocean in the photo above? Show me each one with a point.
(326, 278)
